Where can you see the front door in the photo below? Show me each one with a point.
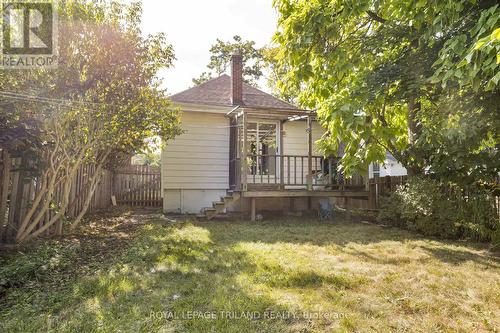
(263, 151)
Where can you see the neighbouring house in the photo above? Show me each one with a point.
(245, 150)
(390, 167)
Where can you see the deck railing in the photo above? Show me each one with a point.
(290, 172)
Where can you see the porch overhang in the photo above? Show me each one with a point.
(271, 113)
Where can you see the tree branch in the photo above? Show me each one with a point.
(375, 17)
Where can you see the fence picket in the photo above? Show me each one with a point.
(19, 184)
(141, 186)
(4, 191)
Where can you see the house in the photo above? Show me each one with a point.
(244, 150)
(390, 167)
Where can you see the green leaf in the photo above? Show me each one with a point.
(495, 35)
(496, 78)
(481, 42)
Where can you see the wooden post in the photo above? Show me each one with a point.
(309, 153)
(252, 209)
(281, 158)
(244, 161)
(285, 206)
(233, 142)
(367, 180)
(4, 191)
(16, 197)
(347, 205)
(241, 209)
(330, 171)
(372, 194)
(368, 188)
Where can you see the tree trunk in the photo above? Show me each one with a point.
(412, 165)
(93, 186)
(56, 178)
(64, 205)
(36, 202)
(414, 126)
(68, 179)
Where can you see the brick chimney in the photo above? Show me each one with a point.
(237, 79)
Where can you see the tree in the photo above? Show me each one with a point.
(104, 102)
(221, 56)
(276, 71)
(381, 73)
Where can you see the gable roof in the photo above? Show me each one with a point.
(218, 92)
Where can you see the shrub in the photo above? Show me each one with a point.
(496, 240)
(432, 208)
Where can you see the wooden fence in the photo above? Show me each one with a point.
(378, 188)
(138, 185)
(382, 186)
(19, 183)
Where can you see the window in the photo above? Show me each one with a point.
(263, 147)
(376, 170)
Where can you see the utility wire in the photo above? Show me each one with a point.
(53, 101)
(67, 106)
(9, 94)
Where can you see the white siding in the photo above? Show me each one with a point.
(397, 169)
(295, 137)
(195, 165)
(199, 158)
(389, 168)
(295, 142)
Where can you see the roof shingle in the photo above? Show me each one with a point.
(218, 92)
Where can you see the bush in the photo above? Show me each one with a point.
(432, 208)
(496, 240)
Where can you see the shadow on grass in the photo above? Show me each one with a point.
(342, 234)
(455, 256)
(304, 232)
(175, 277)
(179, 280)
(278, 277)
(169, 278)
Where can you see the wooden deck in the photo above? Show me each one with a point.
(261, 168)
(347, 195)
(304, 193)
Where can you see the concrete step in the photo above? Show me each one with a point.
(218, 207)
(210, 212)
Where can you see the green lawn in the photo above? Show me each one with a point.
(135, 273)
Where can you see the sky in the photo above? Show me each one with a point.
(192, 26)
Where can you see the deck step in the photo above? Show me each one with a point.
(219, 207)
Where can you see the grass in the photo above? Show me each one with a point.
(138, 273)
